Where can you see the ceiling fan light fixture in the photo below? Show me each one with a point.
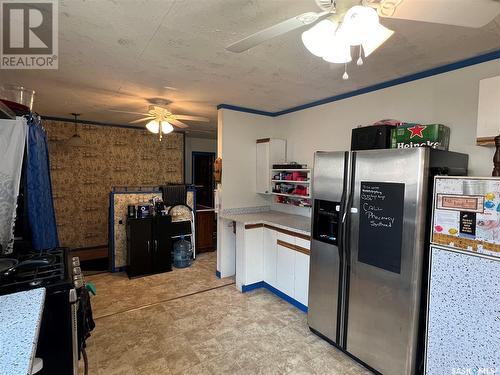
(318, 37)
(359, 21)
(377, 36)
(166, 127)
(153, 126)
(339, 50)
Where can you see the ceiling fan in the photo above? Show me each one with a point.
(342, 24)
(160, 120)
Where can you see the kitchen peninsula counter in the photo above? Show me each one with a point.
(296, 223)
(21, 315)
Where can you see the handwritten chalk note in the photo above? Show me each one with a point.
(381, 224)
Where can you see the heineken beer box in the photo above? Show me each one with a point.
(416, 135)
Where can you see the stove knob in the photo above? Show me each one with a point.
(78, 284)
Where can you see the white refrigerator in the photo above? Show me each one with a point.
(463, 309)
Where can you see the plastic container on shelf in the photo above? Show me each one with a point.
(17, 97)
(183, 253)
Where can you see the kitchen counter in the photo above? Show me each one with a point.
(20, 314)
(301, 224)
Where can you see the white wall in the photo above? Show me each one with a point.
(450, 98)
(237, 133)
(196, 144)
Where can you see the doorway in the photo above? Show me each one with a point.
(202, 177)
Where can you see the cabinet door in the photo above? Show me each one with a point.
(162, 244)
(139, 243)
(205, 223)
(253, 255)
(285, 265)
(270, 254)
(301, 282)
(263, 179)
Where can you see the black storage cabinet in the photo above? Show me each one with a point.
(149, 245)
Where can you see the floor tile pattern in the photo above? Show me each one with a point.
(117, 293)
(213, 332)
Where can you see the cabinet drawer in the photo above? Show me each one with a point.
(303, 243)
(285, 238)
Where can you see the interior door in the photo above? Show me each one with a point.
(386, 248)
(203, 179)
(140, 247)
(325, 281)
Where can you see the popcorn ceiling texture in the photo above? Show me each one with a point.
(82, 177)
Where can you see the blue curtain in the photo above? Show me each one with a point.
(41, 214)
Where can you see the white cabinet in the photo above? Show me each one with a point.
(285, 265)
(270, 254)
(301, 282)
(488, 111)
(254, 254)
(268, 152)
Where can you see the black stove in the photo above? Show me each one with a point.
(47, 269)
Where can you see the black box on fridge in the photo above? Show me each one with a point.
(371, 137)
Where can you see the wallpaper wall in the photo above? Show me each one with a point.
(82, 177)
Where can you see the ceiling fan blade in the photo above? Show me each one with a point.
(142, 119)
(465, 13)
(177, 123)
(190, 118)
(131, 113)
(276, 30)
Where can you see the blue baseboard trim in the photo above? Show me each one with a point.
(217, 274)
(248, 288)
(279, 293)
(379, 86)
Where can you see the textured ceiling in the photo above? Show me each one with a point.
(116, 54)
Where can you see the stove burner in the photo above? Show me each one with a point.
(34, 270)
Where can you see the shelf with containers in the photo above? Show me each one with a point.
(292, 186)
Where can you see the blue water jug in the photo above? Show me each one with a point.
(183, 254)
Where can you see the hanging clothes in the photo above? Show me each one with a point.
(12, 141)
(40, 206)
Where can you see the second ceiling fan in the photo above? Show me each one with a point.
(160, 120)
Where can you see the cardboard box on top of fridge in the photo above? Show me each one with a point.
(417, 135)
(467, 214)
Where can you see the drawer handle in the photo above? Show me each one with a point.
(293, 247)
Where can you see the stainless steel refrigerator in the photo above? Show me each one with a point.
(370, 241)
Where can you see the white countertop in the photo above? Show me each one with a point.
(20, 317)
(301, 224)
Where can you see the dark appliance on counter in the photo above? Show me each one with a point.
(369, 252)
(60, 274)
(371, 137)
(149, 245)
